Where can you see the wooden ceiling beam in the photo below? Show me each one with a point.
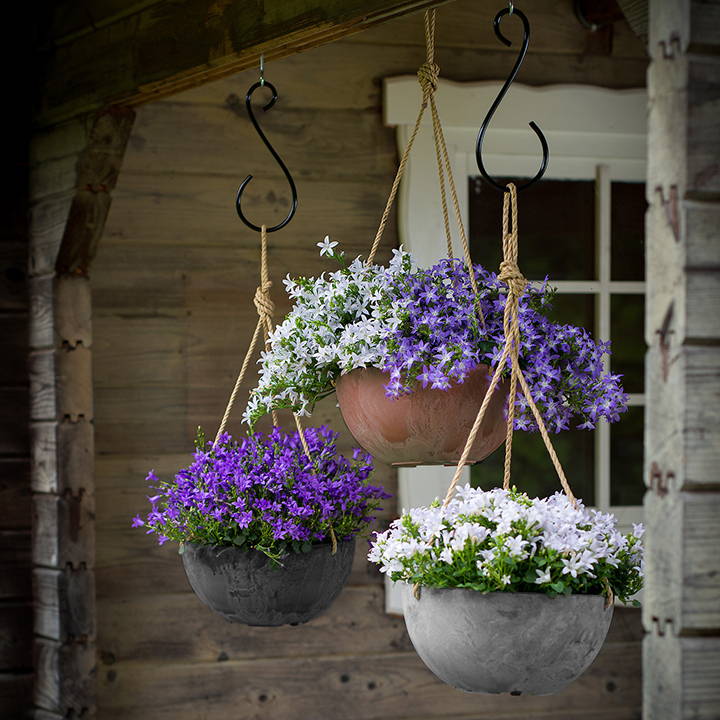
(169, 46)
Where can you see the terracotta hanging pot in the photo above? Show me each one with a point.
(245, 586)
(425, 427)
(505, 642)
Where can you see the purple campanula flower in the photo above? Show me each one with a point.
(263, 491)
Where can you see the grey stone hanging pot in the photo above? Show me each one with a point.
(505, 642)
(245, 586)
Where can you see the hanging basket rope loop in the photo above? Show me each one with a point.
(510, 274)
(428, 75)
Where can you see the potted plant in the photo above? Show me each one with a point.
(266, 533)
(410, 357)
(508, 593)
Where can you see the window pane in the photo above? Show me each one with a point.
(628, 231)
(532, 469)
(627, 330)
(626, 458)
(556, 223)
(574, 309)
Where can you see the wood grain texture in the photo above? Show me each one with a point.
(64, 603)
(683, 570)
(137, 58)
(365, 687)
(684, 675)
(65, 677)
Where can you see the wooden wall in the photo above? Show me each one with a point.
(172, 290)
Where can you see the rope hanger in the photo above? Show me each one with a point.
(262, 300)
(509, 271)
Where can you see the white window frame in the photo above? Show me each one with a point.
(593, 134)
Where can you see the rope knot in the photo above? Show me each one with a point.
(510, 274)
(428, 74)
(263, 303)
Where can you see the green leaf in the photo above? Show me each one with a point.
(558, 586)
(306, 547)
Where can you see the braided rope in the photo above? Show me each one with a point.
(428, 74)
(510, 274)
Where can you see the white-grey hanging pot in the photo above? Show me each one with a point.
(505, 642)
(245, 586)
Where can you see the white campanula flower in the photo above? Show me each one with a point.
(518, 544)
(326, 246)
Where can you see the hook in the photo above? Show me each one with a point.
(264, 83)
(511, 10)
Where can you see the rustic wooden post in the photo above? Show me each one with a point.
(75, 167)
(682, 602)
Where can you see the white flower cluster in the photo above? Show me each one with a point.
(336, 324)
(498, 539)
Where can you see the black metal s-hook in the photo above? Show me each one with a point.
(248, 104)
(483, 128)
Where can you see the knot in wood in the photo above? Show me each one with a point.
(510, 274)
(428, 74)
(263, 304)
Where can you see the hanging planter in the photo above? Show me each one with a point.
(426, 426)
(508, 593)
(408, 356)
(248, 587)
(266, 524)
(518, 643)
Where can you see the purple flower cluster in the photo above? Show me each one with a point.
(439, 340)
(263, 492)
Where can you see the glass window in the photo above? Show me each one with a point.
(627, 227)
(627, 323)
(558, 228)
(626, 458)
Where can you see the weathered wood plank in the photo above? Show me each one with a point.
(173, 415)
(64, 603)
(138, 58)
(43, 402)
(684, 674)
(64, 677)
(15, 636)
(352, 73)
(74, 383)
(197, 216)
(682, 436)
(682, 565)
(177, 627)
(367, 688)
(98, 167)
(73, 311)
(355, 624)
(48, 218)
(469, 25)
(230, 145)
(64, 529)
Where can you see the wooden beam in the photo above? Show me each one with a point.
(164, 47)
(66, 222)
(682, 436)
